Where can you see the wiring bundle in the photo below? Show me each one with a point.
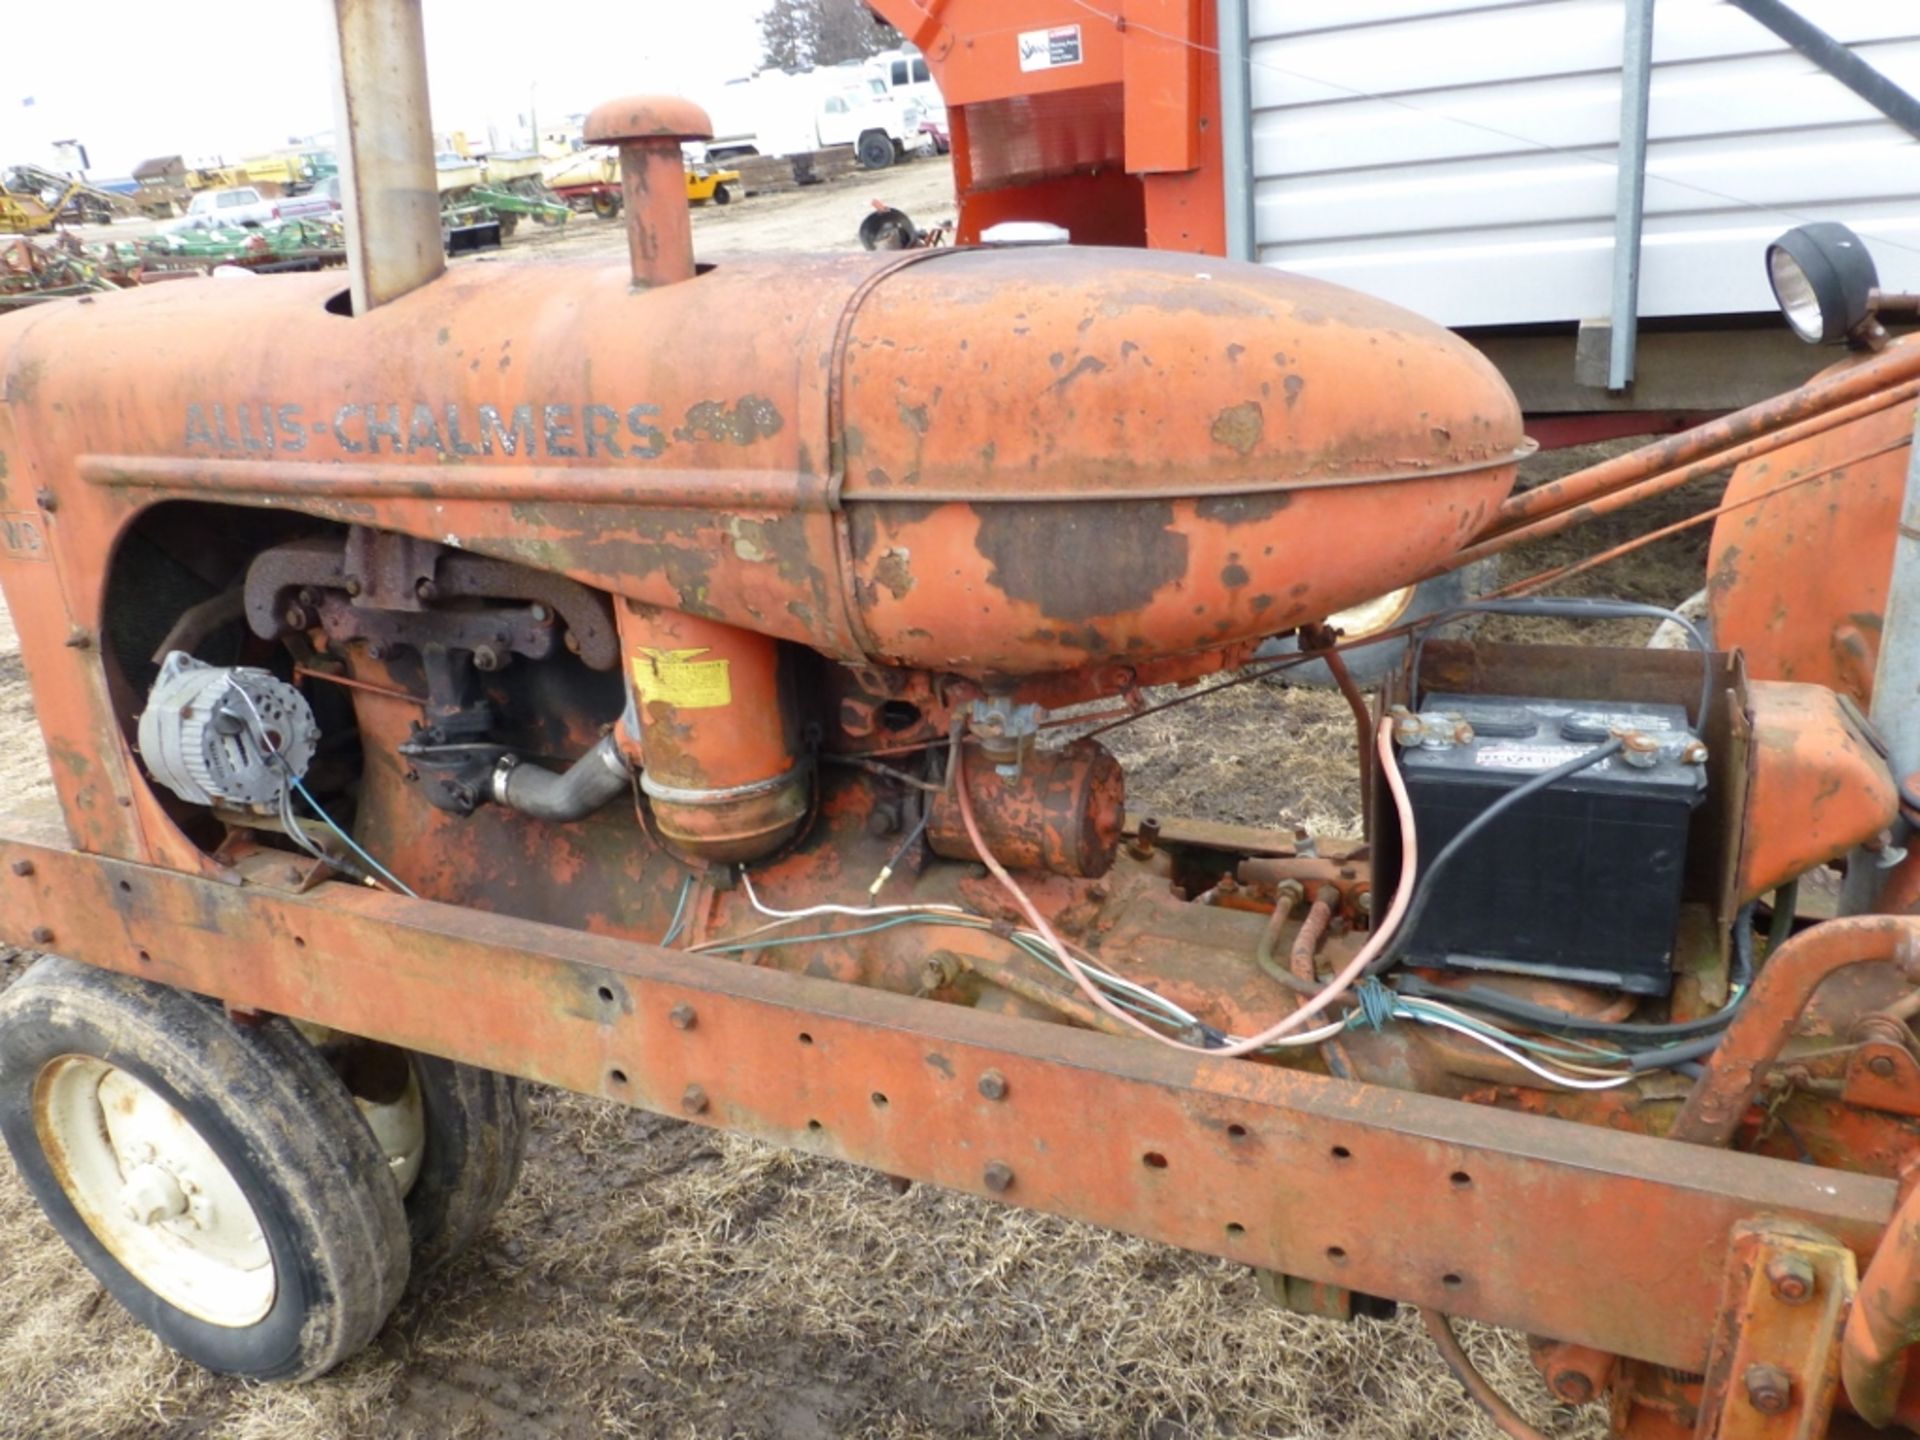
(1368, 991)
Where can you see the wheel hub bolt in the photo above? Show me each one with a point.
(993, 1085)
(152, 1194)
(681, 1016)
(1769, 1389)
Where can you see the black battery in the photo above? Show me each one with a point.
(1578, 882)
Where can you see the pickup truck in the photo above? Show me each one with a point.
(244, 206)
(775, 113)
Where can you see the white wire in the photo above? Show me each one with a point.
(1570, 1081)
(1163, 1008)
(860, 911)
(1121, 984)
(1139, 993)
(1305, 1037)
(1565, 1051)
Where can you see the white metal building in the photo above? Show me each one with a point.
(1458, 156)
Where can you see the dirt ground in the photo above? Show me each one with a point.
(651, 1279)
(817, 217)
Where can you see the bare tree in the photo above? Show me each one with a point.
(849, 30)
(797, 33)
(786, 35)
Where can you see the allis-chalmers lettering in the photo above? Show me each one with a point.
(557, 432)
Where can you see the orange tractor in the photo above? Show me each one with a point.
(651, 680)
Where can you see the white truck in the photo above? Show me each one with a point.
(906, 77)
(245, 207)
(778, 113)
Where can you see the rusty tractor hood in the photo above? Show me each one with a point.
(994, 462)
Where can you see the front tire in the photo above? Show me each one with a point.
(1371, 664)
(875, 150)
(454, 1136)
(722, 195)
(216, 1178)
(477, 1125)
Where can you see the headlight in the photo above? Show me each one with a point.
(1823, 279)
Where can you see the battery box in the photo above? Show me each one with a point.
(1579, 882)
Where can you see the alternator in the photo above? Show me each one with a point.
(215, 734)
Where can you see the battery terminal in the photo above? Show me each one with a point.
(1639, 750)
(1643, 749)
(1430, 729)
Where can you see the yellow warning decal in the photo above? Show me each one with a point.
(675, 677)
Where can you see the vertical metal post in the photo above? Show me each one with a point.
(1896, 676)
(1236, 129)
(1636, 85)
(384, 135)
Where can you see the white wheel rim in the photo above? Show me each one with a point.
(401, 1129)
(400, 1126)
(152, 1191)
(1372, 616)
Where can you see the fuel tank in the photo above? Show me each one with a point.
(997, 462)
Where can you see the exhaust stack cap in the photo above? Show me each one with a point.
(648, 130)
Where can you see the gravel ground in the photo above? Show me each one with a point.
(652, 1279)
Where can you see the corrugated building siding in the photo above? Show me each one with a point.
(1457, 158)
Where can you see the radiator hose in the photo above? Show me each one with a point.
(570, 794)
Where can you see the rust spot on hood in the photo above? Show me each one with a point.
(1243, 509)
(1239, 427)
(753, 417)
(1082, 560)
(895, 571)
(22, 382)
(1086, 365)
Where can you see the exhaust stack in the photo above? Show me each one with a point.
(648, 130)
(384, 135)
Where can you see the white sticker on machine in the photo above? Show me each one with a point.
(1530, 757)
(1050, 49)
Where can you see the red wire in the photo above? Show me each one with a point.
(1286, 1025)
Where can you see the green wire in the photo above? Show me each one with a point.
(1540, 1047)
(1406, 1009)
(679, 911)
(353, 845)
(773, 942)
(963, 922)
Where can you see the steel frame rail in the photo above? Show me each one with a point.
(1612, 1240)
